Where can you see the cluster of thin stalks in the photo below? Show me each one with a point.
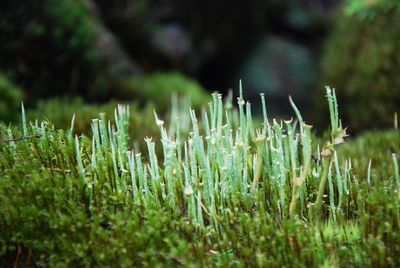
(221, 173)
(224, 163)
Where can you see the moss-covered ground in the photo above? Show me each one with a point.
(68, 200)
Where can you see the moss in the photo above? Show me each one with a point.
(49, 46)
(70, 201)
(375, 145)
(362, 59)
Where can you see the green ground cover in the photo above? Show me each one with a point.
(214, 189)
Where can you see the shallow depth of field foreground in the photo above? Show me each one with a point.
(215, 188)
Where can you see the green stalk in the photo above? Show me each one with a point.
(369, 171)
(339, 181)
(331, 194)
(103, 129)
(322, 184)
(131, 163)
(259, 141)
(71, 129)
(115, 168)
(298, 182)
(337, 135)
(396, 169)
(79, 160)
(24, 126)
(265, 116)
(250, 128)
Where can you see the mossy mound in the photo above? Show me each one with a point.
(378, 145)
(47, 220)
(362, 60)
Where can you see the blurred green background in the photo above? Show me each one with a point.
(59, 55)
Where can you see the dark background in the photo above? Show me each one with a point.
(142, 50)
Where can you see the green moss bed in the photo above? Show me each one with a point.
(210, 189)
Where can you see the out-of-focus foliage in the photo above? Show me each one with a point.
(49, 46)
(159, 87)
(370, 8)
(133, 22)
(175, 34)
(11, 97)
(137, 23)
(362, 60)
(62, 48)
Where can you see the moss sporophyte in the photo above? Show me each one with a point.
(223, 162)
(220, 179)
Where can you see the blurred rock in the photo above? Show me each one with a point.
(173, 41)
(280, 68)
(108, 46)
